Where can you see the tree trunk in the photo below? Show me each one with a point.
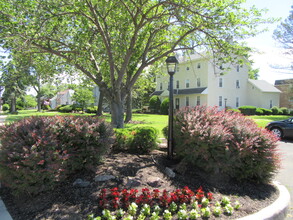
(39, 102)
(13, 105)
(100, 104)
(128, 107)
(117, 114)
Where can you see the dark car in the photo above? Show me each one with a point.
(282, 128)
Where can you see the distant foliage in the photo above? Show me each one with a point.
(247, 110)
(141, 140)
(65, 109)
(5, 107)
(259, 111)
(266, 111)
(37, 152)
(285, 111)
(234, 110)
(225, 142)
(165, 106)
(155, 104)
(276, 110)
(93, 109)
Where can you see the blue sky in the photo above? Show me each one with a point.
(270, 52)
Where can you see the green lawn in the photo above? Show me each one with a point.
(263, 120)
(156, 121)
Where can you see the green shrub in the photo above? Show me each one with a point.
(18, 107)
(276, 110)
(37, 152)
(141, 140)
(226, 143)
(234, 110)
(165, 132)
(5, 107)
(259, 111)
(247, 110)
(155, 104)
(58, 107)
(291, 112)
(93, 109)
(266, 111)
(165, 106)
(285, 111)
(65, 109)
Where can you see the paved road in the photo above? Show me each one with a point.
(285, 176)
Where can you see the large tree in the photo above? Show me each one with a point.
(113, 41)
(284, 33)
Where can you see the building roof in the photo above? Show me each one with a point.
(283, 81)
(264, 86)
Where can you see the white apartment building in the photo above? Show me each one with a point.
(198, 82)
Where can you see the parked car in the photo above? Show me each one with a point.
(282, 128)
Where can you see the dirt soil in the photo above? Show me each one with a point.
(75, 203)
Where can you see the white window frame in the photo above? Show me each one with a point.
(161, 86)
(237, 102)
(198, 100)
(237, 84)
(177, 84)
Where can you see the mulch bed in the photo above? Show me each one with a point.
(70, 202)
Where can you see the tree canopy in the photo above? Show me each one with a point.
(113, 41)
(284, 33)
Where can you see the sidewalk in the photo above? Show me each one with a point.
(4, 214)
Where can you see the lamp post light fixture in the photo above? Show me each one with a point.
(171, 67)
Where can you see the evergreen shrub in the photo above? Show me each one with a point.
(155, 104)
(276, 110)
(141, 140)
(247, 110)
(66, 109)
(38, 152)
(259, 111)
(266, 111)
(285, 111)
(165, 107)
(225, 142)
(5, 107)
(93, 109)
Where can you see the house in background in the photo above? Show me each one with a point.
(96, 92)
(286, 97)
(62, 98)
(198, 82)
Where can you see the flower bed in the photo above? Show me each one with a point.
(179, 204)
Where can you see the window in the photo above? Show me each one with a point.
(177, 103)
(237, 84)
(177, 69)
(187, 68)
(187, 83)
(198, 66)
(220, 82)
(237, 68)
(198, 100)
(161, 86)
(220, 101)
(187, 101)
(198, 82)
(271, 103)
(177, 84)
(221, 67)
(237, 102)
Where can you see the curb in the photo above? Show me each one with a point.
(4, 214)
(277, 210)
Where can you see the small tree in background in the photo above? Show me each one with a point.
(155, 104)
(83, 96)
(165, 106)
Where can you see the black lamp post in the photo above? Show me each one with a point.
(171, 67)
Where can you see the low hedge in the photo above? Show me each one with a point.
(247, 110)
(141, 140)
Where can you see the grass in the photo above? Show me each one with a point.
(156, 121)
(263, 120)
